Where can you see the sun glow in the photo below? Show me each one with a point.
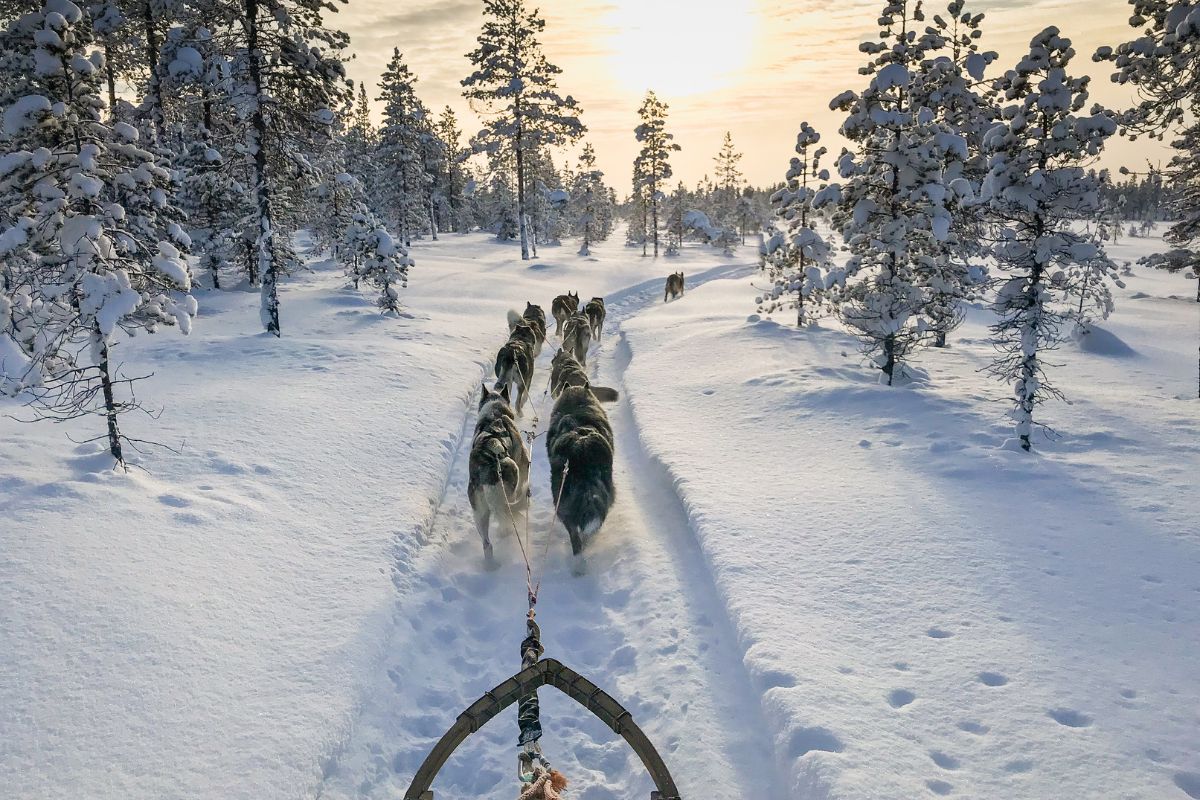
(680, 47)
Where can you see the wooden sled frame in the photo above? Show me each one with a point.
(547, 672)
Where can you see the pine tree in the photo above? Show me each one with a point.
(591, 210)
(798, 256)
(400, 153)
(288, 79)
(652, 166)
(1035, 189)
(89, 239)
(892, 205)
(514, 87)
(729, 180)
(456, 176)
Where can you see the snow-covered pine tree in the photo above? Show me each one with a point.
(676, 207)
(797, 256)
(515, 89)
(1161, 63)
(400, 150)
(729, 181)
(360, 140)
(288, 78)
(373, 256)
(1036, 188)
(892, 205)
(456, 174)
(591, 210)
(951, 82)
(652, 167)
(89, 223)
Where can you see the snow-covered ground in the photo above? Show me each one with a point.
(811, 585)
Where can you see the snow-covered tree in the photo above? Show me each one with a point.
(591, 209)
(456, 175)
(90, 242)
(797, 256)
(373, 256)
(287, 80)
(652, 167)
(400, 152)
(1036, 188)
(515, 89)
(893, 203)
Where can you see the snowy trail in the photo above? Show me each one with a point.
(644, 622)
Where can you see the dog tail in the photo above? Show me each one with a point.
(513, 319)
(605, 394)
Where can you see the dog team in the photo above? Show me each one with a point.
(579, 441)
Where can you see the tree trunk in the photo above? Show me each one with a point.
(889, 355)
(654, 217)
(262, 192)
(521, 222)
(154, 90)
(110, 403)
(110, 76)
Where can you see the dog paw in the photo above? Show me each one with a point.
(578, 565)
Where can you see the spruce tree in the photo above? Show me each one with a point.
(401, 150)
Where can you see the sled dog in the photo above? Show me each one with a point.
(674, 286)
(525, 333)
(535, 317)
(498, 483)
(563, 306)
(514, 371)
(566, 371)
(595, 313)
(577, 336)
(579, 444)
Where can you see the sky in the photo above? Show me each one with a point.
(755, 68)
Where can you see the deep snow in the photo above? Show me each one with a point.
(811, 585)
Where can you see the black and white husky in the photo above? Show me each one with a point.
(566, 371)
(596, 313)
(579, 444)
(514, 371)
(535, 318)
(577, 336)
(499, 466)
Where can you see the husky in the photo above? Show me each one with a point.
(536, 319)
(577, 336)
(524, 333)
(596, 313)
(566, 371)
(563, 306)
(499, 466)
(579, 444)
(514, 370)
(674, 286)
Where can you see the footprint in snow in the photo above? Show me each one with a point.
(973, 727)
(806, 740)
(939, 787)
(992, 679)
(938, 633)
(1018, 767)
(944, 760)
(1189, 782)
(1070, 717)
(899, 698)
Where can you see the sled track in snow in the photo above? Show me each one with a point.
(644, 622)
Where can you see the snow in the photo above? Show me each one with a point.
(20, 115)
(805, 569)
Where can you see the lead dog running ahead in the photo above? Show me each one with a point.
(674, 286)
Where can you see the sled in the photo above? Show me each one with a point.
(546, 672)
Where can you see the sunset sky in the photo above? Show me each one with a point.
(756, 68)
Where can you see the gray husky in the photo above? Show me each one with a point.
(514, 370)
(525, 333)
(577, 336)
(566, 371)
(499, 466)
(535, 318)
(674, 286)
(596, 313)
(563, 306)
(579, 444)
